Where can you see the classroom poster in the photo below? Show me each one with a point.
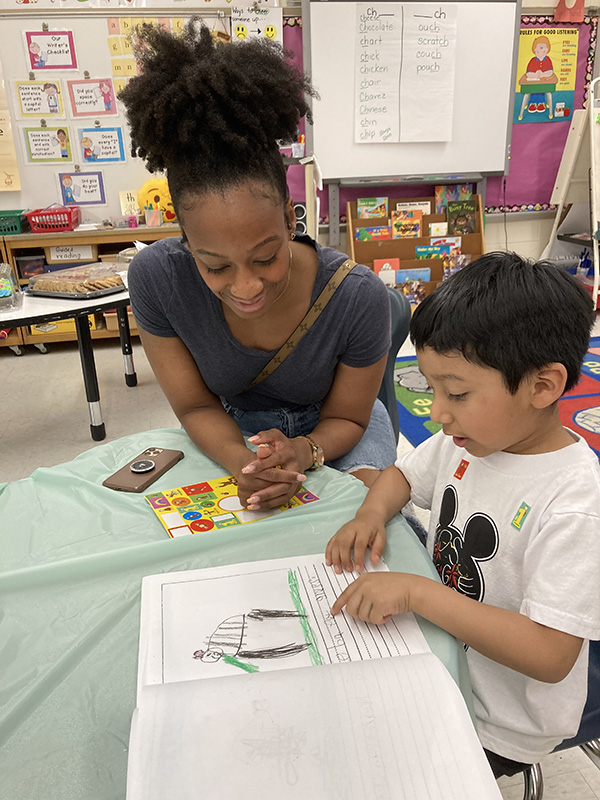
(378, 49)
(10, 180)
(427, 74)
(39, 99)
(546, 71)
(92, 97)
(404, 72)
(82, 188)
(47, 144)
(531, 178)
(248, 22)
(50, 50)
(101, 144)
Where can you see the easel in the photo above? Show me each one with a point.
(576, 180)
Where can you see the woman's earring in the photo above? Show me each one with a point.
(292, 235)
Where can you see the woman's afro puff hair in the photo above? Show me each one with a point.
(197, 99)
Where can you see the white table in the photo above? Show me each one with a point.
(36, 310)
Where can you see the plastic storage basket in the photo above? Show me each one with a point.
(54, 218)
(12, 222)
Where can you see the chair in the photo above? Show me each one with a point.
(587, 737)
(400, 325)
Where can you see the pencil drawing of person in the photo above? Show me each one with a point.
(243, 636)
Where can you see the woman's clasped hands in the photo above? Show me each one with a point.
(273, 474)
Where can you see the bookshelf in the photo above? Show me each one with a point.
(404, 248)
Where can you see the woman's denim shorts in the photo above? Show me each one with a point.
(376, 449)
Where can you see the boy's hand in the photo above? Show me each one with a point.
(377, 596)
(357, 535)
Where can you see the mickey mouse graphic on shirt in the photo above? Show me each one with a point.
(456, 553)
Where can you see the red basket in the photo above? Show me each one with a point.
(59, 218)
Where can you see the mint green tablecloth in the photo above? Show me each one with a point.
(72, 557)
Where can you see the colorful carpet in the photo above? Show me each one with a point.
(579, 409)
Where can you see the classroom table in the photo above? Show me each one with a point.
(73, 556)
(36, 310)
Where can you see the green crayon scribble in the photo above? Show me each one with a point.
(309, 635)
(234, 662)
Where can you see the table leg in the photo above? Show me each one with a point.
(90, 379)
(549, 103)
(126, 349)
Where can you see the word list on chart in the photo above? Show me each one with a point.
(404, 72)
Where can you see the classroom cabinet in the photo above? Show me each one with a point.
(105, 244)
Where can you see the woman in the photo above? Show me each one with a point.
(215, 307)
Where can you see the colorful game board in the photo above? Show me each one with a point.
(210, 505)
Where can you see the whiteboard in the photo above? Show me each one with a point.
(486, 49)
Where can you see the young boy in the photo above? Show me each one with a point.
(514, 499)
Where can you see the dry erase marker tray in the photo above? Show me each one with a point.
(78, 283)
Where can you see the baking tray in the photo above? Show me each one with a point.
(78, 295)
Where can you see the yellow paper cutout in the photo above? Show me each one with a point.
(114, 46)
(118, 67)
(129, 67)
(127, 45)
(118, 84)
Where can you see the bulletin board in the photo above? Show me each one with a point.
(537, 147)
(74, 147)
(482, 97)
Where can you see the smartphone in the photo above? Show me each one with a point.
(143, 470)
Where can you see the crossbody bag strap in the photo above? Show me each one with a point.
(309, 319)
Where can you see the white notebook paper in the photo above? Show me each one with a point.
(230, 701)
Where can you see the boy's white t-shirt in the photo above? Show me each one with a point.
(521, 532)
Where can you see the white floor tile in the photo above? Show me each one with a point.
(45, 419)
(567, 786)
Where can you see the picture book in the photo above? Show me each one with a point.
(249, 687)
(424, 206)
(373, 234)
(386, 269)
(371, 207)
(385, 264)
(462, 217)
(211, 505)
(416, 274)
(438, 228)
(406, 223)
(451, 191)
(414, 290)
(431, 251)
(453, 242)
(452, 262)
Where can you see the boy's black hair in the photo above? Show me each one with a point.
(511, 314)
(210, 113)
